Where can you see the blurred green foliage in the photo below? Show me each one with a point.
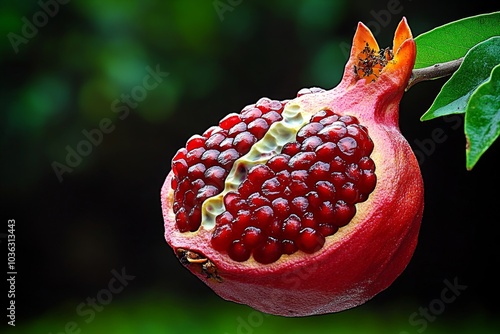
(157, 313)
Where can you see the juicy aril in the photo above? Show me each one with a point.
(306, 206)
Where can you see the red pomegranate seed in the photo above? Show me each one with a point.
(236, 129)
(250, 115)
(180, 168)
(260, 173)
(211, 130)
(343, 213)
(313, 199)
(281, 208)
(333, 132)
(299, 205)
(233, 202)
(241, 221)
(238, 251)
(180, 154)
(321, 115)
(325, 190)
(349, 193)
(263, 216)
(256, 200)
(288, 247)
(268, 252)
(325, 212)
(221, 238)
(194, 218)
(311, 143)
(209, 158)
(337, 164)
(311, 90)
(309, 130)
(353, 172)
(308, 220)
(195, 141)
(244, 141)
(205, 192)
(194, 156)
(182, 220)
(284, 176)
(366, 163)
(215, 140)
(302, 160)
(258, 127)
(215, 176)
(291, 227)
(367, 182)
(318, 171)
(227, 158)
(327, 229)
(272, 187)
(196, 171)
(298, 188)
(189, 198)
(264, 104)
(326, 151)
(246, 188)
(278, 162)
(329, 120)
(272, 117)
(291, 148)
(347, 146)
(224, 218)
(276, 105)
(229, 121)
(226, 144)
(310, 241)
(252, 236)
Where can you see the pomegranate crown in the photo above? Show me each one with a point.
(370, 63)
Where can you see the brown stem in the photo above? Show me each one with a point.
(433, 72)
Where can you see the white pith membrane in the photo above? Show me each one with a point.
(277, 136)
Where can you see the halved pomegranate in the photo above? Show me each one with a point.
(306, 206)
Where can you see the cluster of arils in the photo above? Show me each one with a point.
(201, 167)
(300, 196)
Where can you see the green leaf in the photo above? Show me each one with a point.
(452, 41)
(482, 118)
(474, 71)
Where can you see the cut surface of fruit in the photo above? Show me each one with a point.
(299, 196)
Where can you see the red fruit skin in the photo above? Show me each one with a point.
(362, 258)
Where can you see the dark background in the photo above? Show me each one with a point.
(105, 214)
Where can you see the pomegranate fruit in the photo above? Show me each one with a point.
(306, 206)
